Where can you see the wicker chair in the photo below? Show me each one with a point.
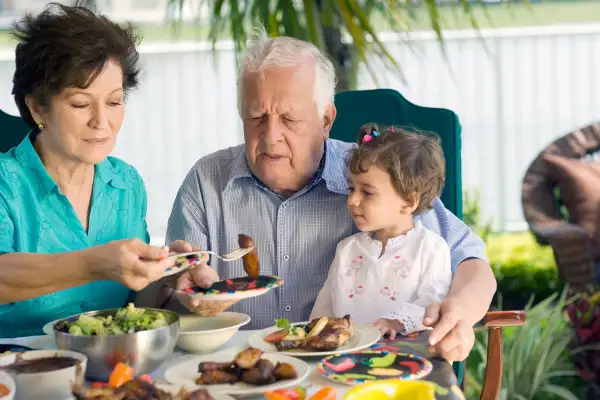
(542, 208)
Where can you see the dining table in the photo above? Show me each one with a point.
(442, 373)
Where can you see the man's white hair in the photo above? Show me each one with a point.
(283, 51)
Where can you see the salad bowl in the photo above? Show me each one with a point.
(141, 338)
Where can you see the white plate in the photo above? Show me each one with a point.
(364, 337)
(48, 328)
(186, 373)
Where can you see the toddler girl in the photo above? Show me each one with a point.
(389, 273)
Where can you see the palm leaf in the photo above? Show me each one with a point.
(307, 20)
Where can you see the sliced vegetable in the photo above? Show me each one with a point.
(327, 393)
(275, 337)
(122, 373)
(297, 393)
(274, 396)
(146, 378)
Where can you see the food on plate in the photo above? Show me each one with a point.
(247, 367)
(4, 390)
(138, 389)
(125, 320)
(320, 334)
(250, 260)
(46, 364)
(299, 393)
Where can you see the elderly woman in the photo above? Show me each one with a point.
(73, 234)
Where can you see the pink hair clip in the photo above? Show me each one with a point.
(368, 138)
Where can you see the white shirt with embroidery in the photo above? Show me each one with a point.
(412, 273)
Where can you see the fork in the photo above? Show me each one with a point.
(231, 256)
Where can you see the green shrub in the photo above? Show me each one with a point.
(537, 361)
(523, 269)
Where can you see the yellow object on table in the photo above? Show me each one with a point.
(392, 389)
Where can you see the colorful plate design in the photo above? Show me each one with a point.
(365, 366)
(241, 287)
(182, 262)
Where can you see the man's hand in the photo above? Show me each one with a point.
(390, 327)
(201, 274)
(453, 336)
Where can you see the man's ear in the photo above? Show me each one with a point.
(34, 109)
(328, 118)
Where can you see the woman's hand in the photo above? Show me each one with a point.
(201, 275)
(130, 262)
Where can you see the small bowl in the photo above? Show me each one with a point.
(56, 384)
(9, 382)
(144, 351)
(205, 334)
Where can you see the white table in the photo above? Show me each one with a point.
(240, 340)
(442, 373)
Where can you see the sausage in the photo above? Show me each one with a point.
(250, 260)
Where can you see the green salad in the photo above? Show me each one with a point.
(125, 320)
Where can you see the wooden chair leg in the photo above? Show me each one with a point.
(495, 321)
(493, 368)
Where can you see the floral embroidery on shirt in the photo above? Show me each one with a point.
(357, 290)
(400, 267)
(355, 265)
(385, 291)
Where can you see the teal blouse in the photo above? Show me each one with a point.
(35, 217)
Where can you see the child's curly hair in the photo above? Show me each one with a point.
(415, 161)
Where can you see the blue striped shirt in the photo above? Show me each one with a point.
(296, 237)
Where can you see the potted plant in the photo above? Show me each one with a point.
(584, 314)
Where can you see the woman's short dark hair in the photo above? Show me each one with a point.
(414, 160)
(65, 47)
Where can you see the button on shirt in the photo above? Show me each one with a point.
(295, 237)
(35, 217)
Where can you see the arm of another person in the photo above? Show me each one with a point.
(435, 279)
(473, 284)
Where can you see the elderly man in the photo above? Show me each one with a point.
(286, 188)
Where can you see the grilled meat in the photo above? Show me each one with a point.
(138, 389)
(250, 260)
(248, 358)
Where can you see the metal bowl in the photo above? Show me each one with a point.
(144, 351)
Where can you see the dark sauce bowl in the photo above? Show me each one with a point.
(45, 374)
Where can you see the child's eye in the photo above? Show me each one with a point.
(367, 193)
(350, 189)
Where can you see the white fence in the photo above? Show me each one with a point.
(514, 90)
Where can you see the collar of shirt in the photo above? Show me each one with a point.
(28, 158)
(332, 170)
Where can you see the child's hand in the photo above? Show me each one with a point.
(389, 326)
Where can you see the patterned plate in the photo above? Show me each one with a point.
(182, 262)
(236, 288)
(364, 366)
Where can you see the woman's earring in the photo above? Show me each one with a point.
(41, 126)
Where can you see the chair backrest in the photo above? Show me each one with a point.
(540, 200)
(388, 107)
(12, 131)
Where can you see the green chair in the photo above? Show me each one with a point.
(388, 107)
(13, 131)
